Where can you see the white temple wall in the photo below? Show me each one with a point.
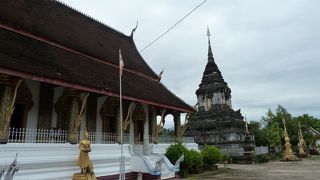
(57, 92)
(32, 119)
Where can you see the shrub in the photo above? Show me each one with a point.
(175, 151)
(193, 160)
(262, 158)
(211, 155)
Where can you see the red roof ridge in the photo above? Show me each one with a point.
(60, 46)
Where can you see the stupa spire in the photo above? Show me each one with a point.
(210, 55)
(288, 154)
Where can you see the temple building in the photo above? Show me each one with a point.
(215, 122)
(59, 74)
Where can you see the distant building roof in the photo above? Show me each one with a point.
(51, 42)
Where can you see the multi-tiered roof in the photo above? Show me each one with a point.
(50, 42)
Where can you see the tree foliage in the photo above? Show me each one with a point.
(273, 122)
(258, 132)
(274, 135)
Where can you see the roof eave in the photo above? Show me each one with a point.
(88, 89)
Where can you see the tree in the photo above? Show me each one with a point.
(276, 119)
(306, 122)
(274, 135)
(258, 132)
(273, 120)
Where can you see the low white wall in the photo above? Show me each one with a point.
(261, 150)
(57, 161)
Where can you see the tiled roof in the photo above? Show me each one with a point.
(49, 40)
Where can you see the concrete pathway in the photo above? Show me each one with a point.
(307, 169)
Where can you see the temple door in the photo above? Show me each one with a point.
(138, 119)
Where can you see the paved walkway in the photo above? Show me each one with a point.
(307, 169)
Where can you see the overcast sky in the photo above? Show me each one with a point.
(267, 50)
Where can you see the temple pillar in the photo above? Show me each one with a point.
(6, 96)
(74, 107)
(177, 123)
(146, 148)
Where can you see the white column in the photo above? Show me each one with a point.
(146, 148)
(32, 119)
(100, 102)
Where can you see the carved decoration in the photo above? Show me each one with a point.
(7, 106)
(126, 122)
(80, 116)
(184, 127)
(160, 126)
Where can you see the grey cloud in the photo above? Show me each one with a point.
(267, 50)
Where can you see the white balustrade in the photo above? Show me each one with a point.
(26, 135)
